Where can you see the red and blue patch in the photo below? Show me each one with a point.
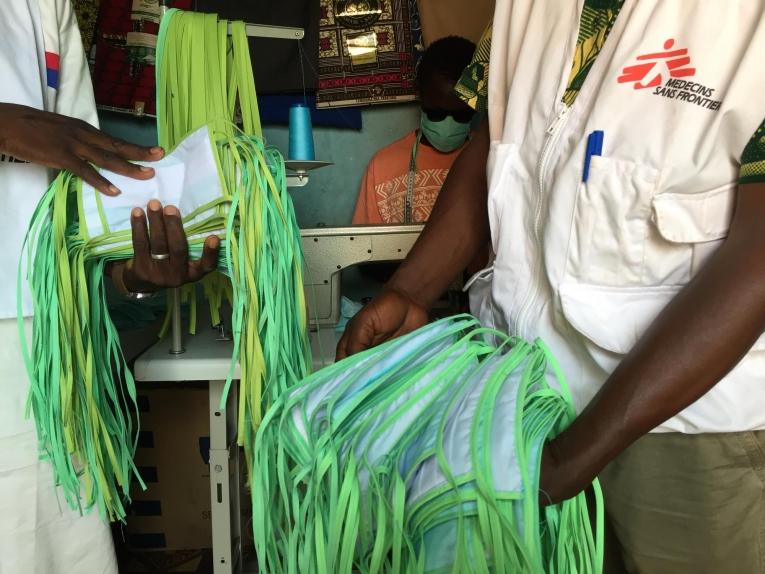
(52, 67)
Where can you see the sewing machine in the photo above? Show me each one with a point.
(329, 250)
(207, 356)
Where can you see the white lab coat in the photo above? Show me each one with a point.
(588, 266)
(39, 534)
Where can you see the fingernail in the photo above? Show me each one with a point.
(137, 212)
(145, 169)
(114, 190)
(171, 210)
(154, 205)
(156, 149)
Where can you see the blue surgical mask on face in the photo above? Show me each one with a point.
(445, 135)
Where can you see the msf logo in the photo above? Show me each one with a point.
(652, 68)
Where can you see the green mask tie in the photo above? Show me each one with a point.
(82, 395)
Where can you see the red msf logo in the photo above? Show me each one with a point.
(648, 73)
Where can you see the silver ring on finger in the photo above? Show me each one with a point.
(160, 256)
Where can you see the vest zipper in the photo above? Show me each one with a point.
(553, 130)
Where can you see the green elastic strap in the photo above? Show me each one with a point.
(82, 395)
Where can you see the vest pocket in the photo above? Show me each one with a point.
(612, 223)
(681, 230)
(612, 319)
(507, 178)
(626, 233)
(688, 228)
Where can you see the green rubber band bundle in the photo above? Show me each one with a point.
(82, 394)
(421, 455)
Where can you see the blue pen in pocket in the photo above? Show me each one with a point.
(594, 147)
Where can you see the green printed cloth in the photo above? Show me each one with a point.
(753, 158)
(473, 86)
(596, 22)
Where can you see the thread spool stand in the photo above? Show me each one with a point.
(300, 169)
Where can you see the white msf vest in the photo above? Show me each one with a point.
(677, 90)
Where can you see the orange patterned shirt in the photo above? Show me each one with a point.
(382, 196)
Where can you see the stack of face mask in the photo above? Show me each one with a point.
(421, 455)
(224, 181)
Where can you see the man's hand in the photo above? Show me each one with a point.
(62, 142)
(163, 236)
(389, 315)
(557, 480)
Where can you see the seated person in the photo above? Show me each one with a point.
(403, 179)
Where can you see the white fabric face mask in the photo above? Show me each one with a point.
(343, 386)
(186, 178)
(428, 392)
(430, 483)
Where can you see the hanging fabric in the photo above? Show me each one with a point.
(125, 41)
(290, 67)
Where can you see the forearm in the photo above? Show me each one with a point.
(698, 338)
(457, 229)
(8, 111)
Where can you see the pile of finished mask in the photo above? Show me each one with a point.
(421, 455)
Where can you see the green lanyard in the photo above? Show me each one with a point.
(410, 180)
